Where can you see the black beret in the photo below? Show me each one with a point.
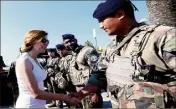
(106, 8)
(51, 49)
(68, 36)
(60, 46)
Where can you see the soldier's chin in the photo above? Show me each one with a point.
(111, 33)
(68, 48)
(63, 55)
(71, 47)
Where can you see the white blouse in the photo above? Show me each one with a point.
(25, 99)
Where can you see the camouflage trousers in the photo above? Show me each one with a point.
(52, 87)
(140, 95)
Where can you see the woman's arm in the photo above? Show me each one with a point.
(26, 68)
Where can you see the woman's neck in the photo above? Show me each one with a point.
(33, 54)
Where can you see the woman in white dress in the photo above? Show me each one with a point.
(30, 74)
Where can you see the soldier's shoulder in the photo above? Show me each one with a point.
(49, 59)
(69, 56)
(110, 45)
(161, 32)
(164, 29)
(164, 35)
(87, 49)
(57, 58)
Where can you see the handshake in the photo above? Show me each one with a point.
(74, 99)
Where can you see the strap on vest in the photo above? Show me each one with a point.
(127, 38)
(139, 45)
(142, 40)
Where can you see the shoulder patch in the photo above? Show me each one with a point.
(93, 58)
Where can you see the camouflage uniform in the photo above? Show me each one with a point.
(81, 68)
(62, 78)
(154, 60)
(52, 69)
(64, 69)
(139, 63)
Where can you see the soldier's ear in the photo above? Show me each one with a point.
(75, 41)
(120, 14)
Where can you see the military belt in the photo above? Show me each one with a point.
(160, 77)
(79, 85)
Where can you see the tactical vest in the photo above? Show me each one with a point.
(62, 78)
(122, 70)
(52, 65)
(79, 70)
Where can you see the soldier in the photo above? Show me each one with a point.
(62, 78)
(64, 64)
(82, 67)
(139, 64)
(2, 64)
(52, 69)
(12, 82)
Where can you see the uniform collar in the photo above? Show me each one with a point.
(118, 39)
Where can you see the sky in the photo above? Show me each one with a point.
(55, 17)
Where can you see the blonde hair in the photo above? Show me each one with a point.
(31, 38)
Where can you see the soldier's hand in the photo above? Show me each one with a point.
(51, 74)
(73, 101)
(94, 98)
(75, 94)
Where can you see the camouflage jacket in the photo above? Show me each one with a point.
(64, 63)
(84, 64)
(159, 50)
(52, 65)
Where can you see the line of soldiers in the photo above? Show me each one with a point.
(138, 67)
(71, 71)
